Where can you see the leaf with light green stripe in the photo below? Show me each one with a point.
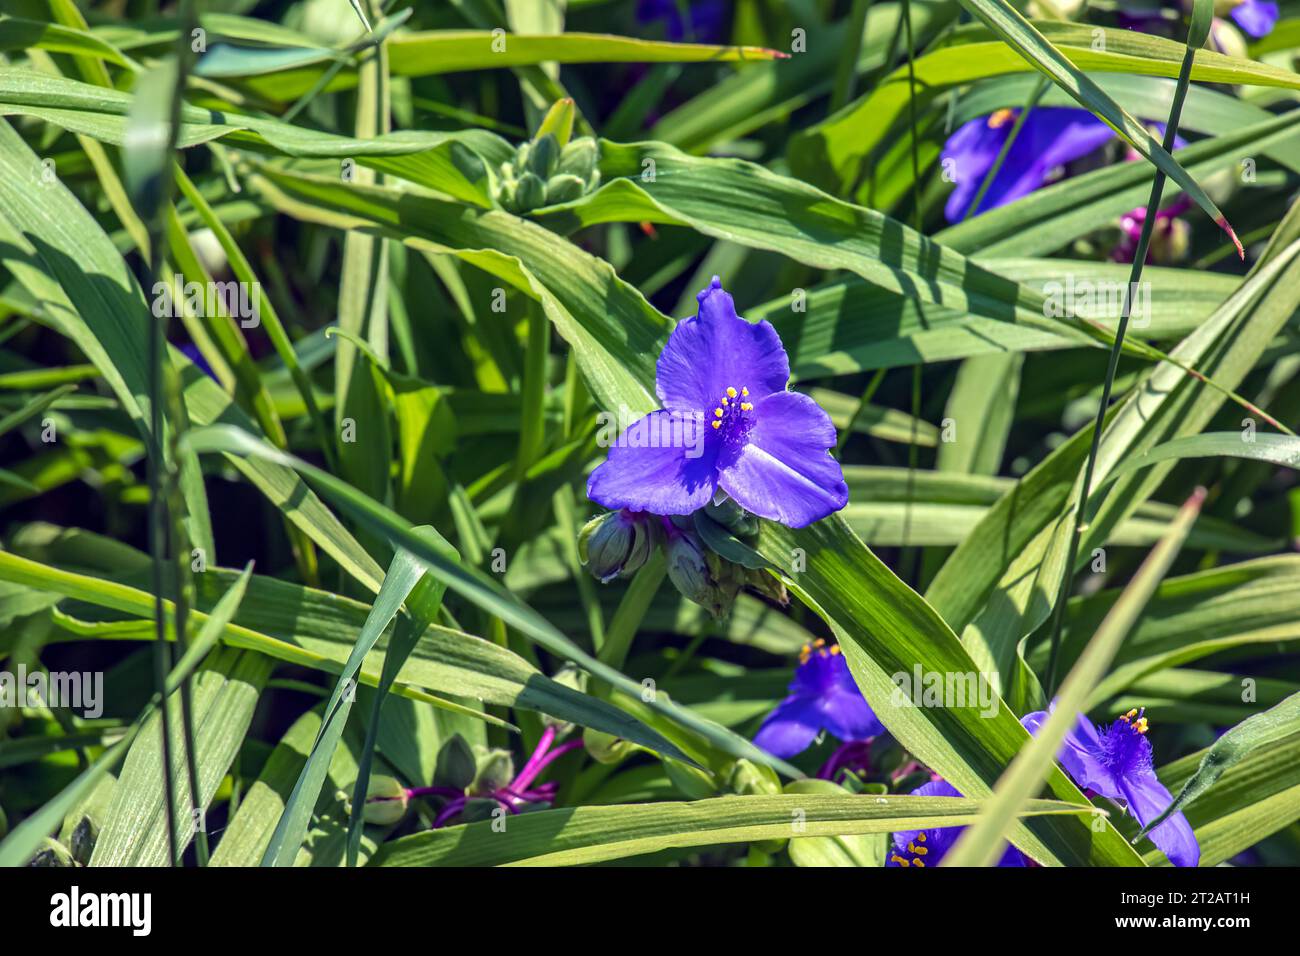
(444, 660)
(583, 835)
(452, 163)
(436, 52)
(1242, 607)
(1281, 450)
(1253, 799)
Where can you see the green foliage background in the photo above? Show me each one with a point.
(383, 479)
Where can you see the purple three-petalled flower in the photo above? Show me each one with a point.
(1116, 762)
(823, 696)
(1050, 137)
(922, 848)
(728, 423)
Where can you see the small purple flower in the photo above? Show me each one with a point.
(1116, 762)
(191, 352)
(927, 847)
(853, 756)
(1256, 17)
(1050, 137)
(515, 796)
(822, 695)
(705, 23)
(728, 423)
(1168, 235)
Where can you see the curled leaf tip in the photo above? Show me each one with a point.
(1232, 234)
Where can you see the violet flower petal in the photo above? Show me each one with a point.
(791, 727)
(717, 350)
(1147, 798)
(661, 480)
(1256, 17)
(783, 471)
(1050, 137)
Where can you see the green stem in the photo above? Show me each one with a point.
(907, 556)
(1135, 274)
(863, 402)
(846, 69)
(160, 476)
(632, 610)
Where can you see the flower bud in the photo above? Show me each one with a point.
(495, 770)
(606, 748)
(82, 841)
(750, 779)
(617, 544)
(522, 155)
(695, 783)
(768, 585)
(52, 853)
(478, 809)
(530, 193)
(579, 158)
(386, 801)
(455, 766)
(1170, 241)
(573, 677)
(563, 188)
(1229, 39)
(699, 574)
(732, 516)
(544, 157)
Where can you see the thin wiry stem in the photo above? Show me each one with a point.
(162, 476)
(1135, 274)
(852, 49)
(907, 557)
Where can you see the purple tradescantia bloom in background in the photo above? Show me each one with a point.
(1050, 137)
(927, 847)
(1116, 762)
(1256, 17)
(191, 352)
(728, 423)
(703, 23)
(822, 696)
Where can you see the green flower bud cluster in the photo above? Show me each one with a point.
(707, 560)
(702, 575)
(477, 771)
(544, 173)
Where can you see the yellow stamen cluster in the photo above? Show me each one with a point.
(720, 411)
(1140, 724)
(1001, 118)
(818, 647)
(917, 853)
